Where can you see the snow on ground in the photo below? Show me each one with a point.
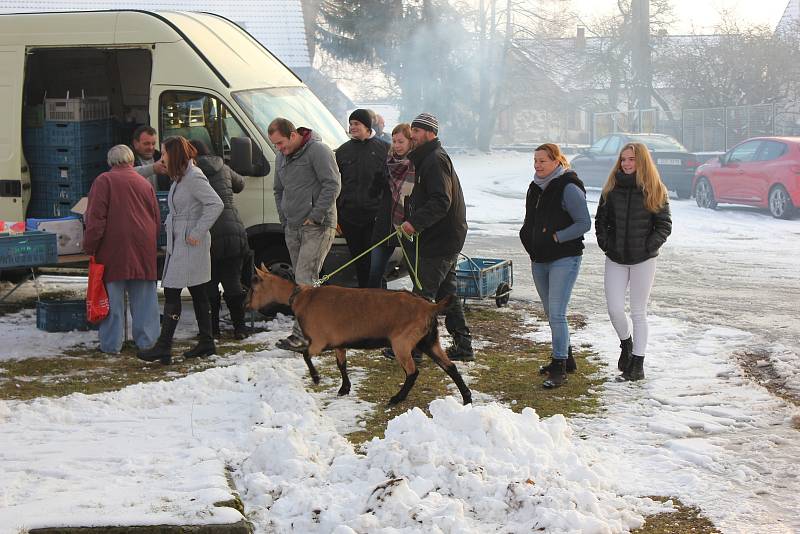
(156, 453)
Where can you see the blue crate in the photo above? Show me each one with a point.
(478, 278)
(62, 315)
(77, 134)
(28, 249)
(39, 155)
(48, 209)
(33, 136)
(67, 174)
(47, 192)
(163, 206)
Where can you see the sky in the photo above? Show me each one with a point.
(700, 14)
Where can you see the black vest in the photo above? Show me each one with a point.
(544, 216)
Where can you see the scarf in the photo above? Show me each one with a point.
(544, 181)
(401, 182)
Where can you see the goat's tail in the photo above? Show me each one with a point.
(444, 303)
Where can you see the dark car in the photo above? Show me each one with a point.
(762, 172)
(675, 164)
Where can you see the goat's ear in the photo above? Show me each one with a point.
(262, 272)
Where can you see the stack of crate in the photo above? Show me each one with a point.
(66, 152)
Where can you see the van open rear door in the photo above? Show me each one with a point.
(12, 61)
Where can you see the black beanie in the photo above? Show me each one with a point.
(363, 116)
(426, 121)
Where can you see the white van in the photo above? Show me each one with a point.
(193, 74)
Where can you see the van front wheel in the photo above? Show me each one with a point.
(276, 259)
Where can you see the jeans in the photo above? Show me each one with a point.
(308, 246)
(359, 239)
(554, 282)
(618, 278)
(438, 279)
(378, 260)
(143, 301)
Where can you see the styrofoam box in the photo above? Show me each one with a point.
(68, 229)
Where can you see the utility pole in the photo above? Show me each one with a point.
(640, 53)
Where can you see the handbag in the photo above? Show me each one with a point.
(97, 306)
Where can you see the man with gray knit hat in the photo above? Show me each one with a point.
(438, 216)
(361, 162)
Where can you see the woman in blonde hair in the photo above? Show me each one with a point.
(556, 217)
(632, 223)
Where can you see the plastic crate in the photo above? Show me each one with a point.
(163, 206)
(77, 134)
(62, 315)
(46, 209)
(76, 109)
(33, 116)
(66, 174)
(65, 155)
(33, 136)
(478, 278)
(28, 249)
(48, 192)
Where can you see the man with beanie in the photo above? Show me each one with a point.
(438, 216)
(361, 162)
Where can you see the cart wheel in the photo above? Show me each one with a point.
(502, 294)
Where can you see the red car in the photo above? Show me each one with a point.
(762, 172)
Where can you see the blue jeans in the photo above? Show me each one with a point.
(143, 301)
(554, 282)
(378, 260)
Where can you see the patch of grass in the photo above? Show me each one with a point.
(507, 368)
(684, 520)
(86, 370)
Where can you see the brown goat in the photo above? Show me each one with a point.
(339, 318)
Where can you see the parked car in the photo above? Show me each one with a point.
(762, 172)
(675, 164)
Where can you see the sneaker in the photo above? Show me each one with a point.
(293, 343)
(457, 354)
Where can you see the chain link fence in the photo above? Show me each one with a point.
(706, 129)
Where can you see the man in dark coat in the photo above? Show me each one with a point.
(122, 225)
(147, 159)
(438, 215)
(361, 162)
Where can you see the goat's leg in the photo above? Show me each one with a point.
(440, 357)
(341, 363)
(402, 353)
(311, 368)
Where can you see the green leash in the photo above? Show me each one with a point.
(400, 234)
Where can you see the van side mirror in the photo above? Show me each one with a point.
(247, 159)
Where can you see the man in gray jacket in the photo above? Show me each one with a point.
(305, 168)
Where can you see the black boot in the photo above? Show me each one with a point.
(214, 301)
(557, 375)
(626, 348)
(571, 365)
(634, 371)
(162, 350)
(236, 308)
(204, 347)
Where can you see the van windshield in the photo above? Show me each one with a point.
(298, 104)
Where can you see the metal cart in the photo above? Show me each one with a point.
(480, 278)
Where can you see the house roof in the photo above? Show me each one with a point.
(277, 24)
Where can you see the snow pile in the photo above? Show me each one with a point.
(465, 469)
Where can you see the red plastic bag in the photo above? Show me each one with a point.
(96, 295)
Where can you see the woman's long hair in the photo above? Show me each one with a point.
(179, 153)
(647, 177)
(554, 153)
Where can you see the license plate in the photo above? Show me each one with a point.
(668, 161)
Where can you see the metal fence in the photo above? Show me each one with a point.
(707, 129)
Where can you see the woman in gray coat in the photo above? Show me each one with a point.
(193, 208)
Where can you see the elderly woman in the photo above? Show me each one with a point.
(122, 223)
(193, 208)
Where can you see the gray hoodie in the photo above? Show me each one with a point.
(307, 183)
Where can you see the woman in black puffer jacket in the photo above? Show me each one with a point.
(632, 223)
(229, 247)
